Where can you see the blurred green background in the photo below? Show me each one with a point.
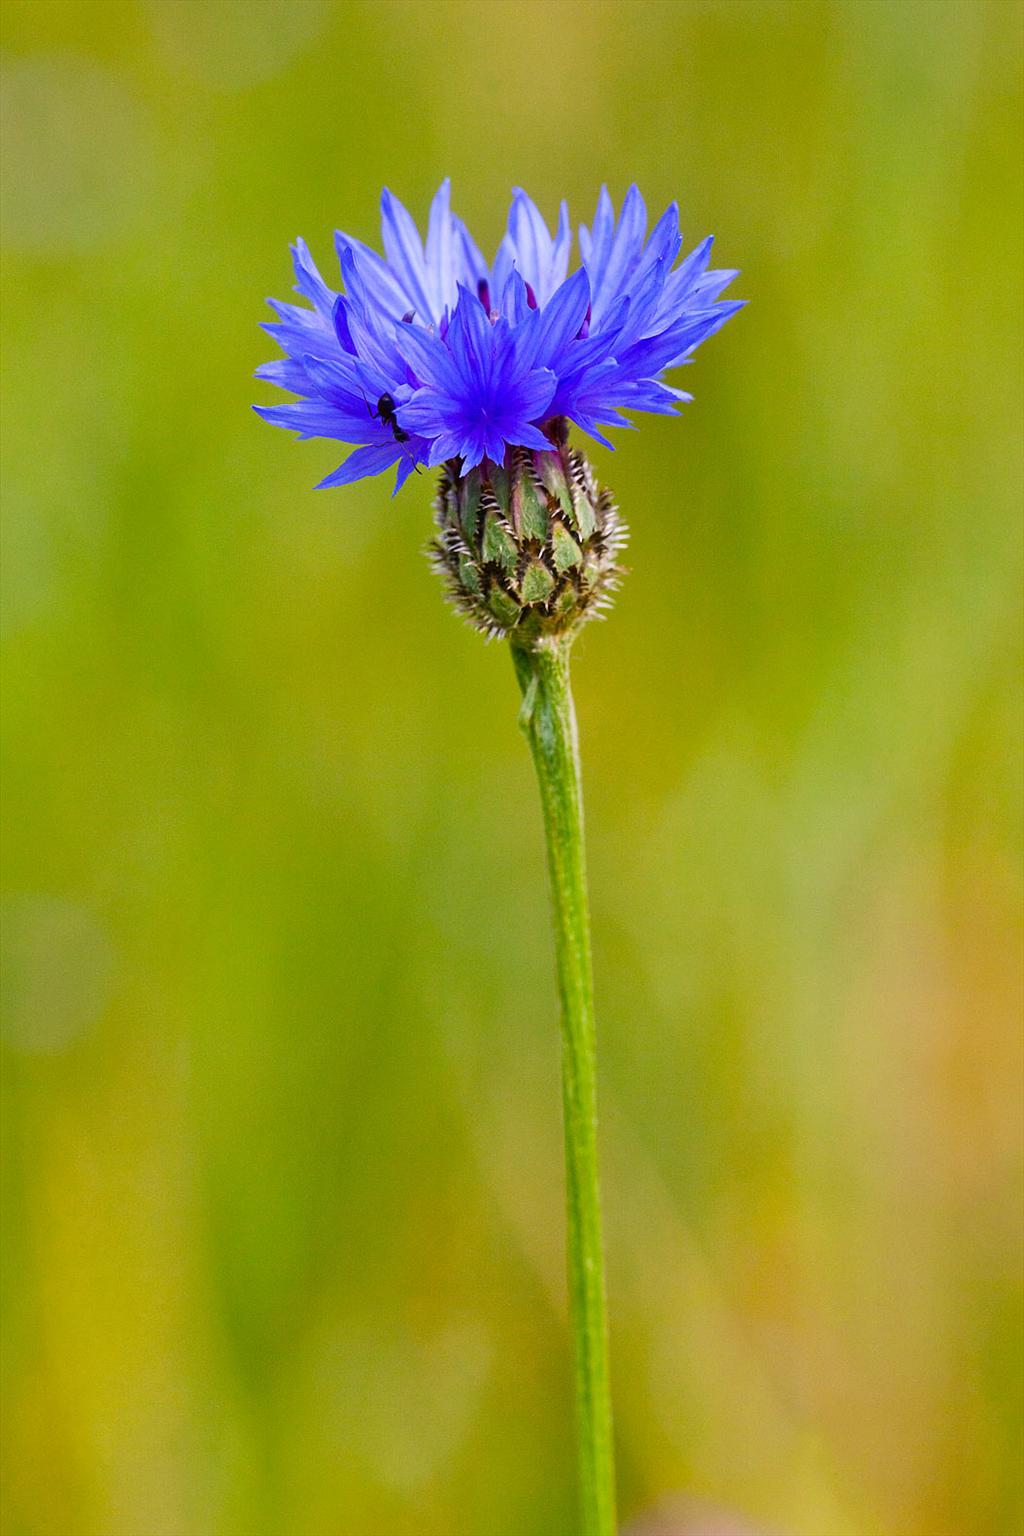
(283, 1193)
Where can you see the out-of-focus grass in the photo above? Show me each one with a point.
(283, 1212)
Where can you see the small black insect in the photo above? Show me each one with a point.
(385, 412)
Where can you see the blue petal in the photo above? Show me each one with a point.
(334, 382)
(656, 352)
(514, 302)
(471, 268)
(439, 255)
(406, 466)
(309, 282)
(533, 395)
(504, 265)
(405, 253)
(564, 315)
(448, 445)
(679, 283)
(469, 336)
(532, 241)
(286, 373)
(494, 443)
(307, 418)
(626, 246)
(599, 240)
(664, 243)
(365, 461)
(643, 303)
(297, 316)
(560, 251)
(429, 358)
(529, 436)
(377, 278)
(708, 287)
(423, 413)
(341, 326)
(588, 425)
(473, 450)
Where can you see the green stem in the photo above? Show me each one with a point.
(549, 722)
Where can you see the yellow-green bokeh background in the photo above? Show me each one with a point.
(283, 1204)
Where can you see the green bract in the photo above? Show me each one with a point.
(528, 549)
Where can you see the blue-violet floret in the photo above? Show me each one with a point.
(427, 355)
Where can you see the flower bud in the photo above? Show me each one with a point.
(528, 549)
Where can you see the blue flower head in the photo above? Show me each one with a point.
(428, 356)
